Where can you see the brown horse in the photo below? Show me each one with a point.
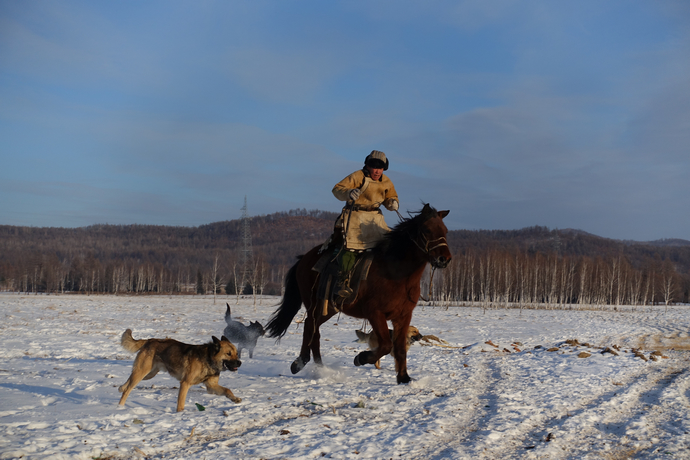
(389, 293)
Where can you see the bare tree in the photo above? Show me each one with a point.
(238, 286)
(668, 287)
(258, 279)
(585, 290)
(215, 280)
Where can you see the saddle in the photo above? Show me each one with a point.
(328, 268)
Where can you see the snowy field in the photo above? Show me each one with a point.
(61, 364)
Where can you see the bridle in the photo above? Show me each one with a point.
(426, 249)
(437, 243)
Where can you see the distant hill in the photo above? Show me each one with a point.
(570, 242)
(667, 242)
(113, 258)
(273, 237)
(131, 257)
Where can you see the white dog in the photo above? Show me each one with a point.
(242, 336)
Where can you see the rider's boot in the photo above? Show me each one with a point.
(343, 286)
(347, 262)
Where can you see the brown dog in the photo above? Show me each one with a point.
(190, 364)
(413, 335)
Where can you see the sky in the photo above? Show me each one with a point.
(569, 114)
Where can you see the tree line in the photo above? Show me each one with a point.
(140, 259)
(534, 265)
(499, 277)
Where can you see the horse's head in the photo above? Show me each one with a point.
(431, 237)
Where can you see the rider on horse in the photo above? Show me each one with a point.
(361, 223)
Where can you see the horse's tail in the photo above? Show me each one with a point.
(281, 319)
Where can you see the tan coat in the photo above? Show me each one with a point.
(366, 227)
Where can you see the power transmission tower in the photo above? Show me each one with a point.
(247, 252)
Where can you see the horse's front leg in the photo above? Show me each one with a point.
(400, 342)
(380, 327)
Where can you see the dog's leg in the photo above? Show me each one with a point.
(151, 374)
(182, 395)
(143, 364)
(214, 388)
(126, 389)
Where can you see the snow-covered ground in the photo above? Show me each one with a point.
(61, 364)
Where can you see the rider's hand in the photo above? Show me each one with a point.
(354, 194)
(393, 205)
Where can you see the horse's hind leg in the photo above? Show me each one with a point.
(304, 357)
(316, 338)
(307, 280)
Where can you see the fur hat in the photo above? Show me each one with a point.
(376, 159)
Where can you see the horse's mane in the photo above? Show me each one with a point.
(401, 233)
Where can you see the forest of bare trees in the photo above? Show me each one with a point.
(141, 259)
(516, 279)
(532, 266)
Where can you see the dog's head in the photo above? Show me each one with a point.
(363, 337)
(413, 334)
(225, 353)
(257, 328)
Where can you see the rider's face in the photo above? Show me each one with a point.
(375, 173)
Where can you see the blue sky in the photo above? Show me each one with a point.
(566, 114)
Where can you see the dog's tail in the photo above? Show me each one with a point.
(228, 313)
(281, 319)
(129, 343)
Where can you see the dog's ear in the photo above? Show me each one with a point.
(223, 338)
(216, 343)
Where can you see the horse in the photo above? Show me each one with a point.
(389, 293)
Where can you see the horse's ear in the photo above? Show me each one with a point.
(443, 214)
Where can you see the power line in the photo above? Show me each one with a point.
(247, 252)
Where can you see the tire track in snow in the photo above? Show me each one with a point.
(621, 422)
(466, 411)
(509, 424)
(428, 396)
(603, 422)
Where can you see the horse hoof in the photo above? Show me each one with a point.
(297, 365)
(363, 358)
(404, 379)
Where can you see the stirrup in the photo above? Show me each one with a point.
(345, 291)
(343, 287)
